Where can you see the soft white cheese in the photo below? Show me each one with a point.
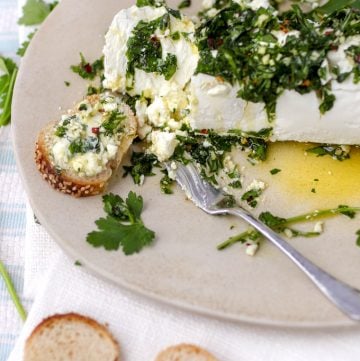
(163, 144)
(61, 152)
(115, 60)
(282, 36)
(298, 118)
(215, 105)
(207, 4)
(339, 58)
(253, 4)
(148, 84)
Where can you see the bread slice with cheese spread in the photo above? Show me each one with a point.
(78, 154)
(185, 352)
(71, 337)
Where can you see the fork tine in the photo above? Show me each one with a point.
(199, 191)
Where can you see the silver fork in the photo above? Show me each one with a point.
(210, 200)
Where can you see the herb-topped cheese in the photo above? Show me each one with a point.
(86, 140)
(149, 51)
(244, 68)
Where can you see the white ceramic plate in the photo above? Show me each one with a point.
(183, 266)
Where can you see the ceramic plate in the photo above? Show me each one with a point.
(183, 267)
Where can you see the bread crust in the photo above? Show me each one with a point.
(71, 184)
(51, 321)
(172, 353)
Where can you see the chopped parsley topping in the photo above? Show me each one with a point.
(166, 183)
(208, 149)
(338, 152)
(250, 55)
(141, 166)
(145, 50)
(184, 4)
(81, 146)
(123, 226)
(250, 197)
(113, 122)
(155, 3)
(88, 70)
(275, 171)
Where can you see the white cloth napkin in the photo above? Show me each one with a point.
(144, 327)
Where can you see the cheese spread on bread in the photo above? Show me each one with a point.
(86, 140)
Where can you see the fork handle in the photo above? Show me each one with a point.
(345, 297)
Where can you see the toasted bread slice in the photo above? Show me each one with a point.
(185, 352)
(71, 337)
(78, 154)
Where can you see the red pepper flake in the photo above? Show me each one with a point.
(95, 130)
(329, 32)
(334, 47)
(214, 43)
(204, 131)
(88, 68)
(284, 27)
(357, 58)
(155, 41)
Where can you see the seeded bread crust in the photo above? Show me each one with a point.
(69, 182)
(42, 345)
(185, 352)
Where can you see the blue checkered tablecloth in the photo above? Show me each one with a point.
(12, 200)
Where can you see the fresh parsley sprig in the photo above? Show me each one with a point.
(8, 73)
(11, 289)
(279, 224)
(35, 12)
(123, 226)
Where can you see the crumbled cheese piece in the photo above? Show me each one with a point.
(163, 144)
(257, 185)
(288, 233)
(251, 249)
(319, 227)
(207, 4)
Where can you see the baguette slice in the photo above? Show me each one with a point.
(65, 178)
(71, 337)
(185, 352)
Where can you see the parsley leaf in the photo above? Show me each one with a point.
(123, 226)
(275, 171)
(8, 73)
(21, 51)
(155, 3)
(184, 4)
(358, 238)
(346, 211)
(337, 152)
(35, 12)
